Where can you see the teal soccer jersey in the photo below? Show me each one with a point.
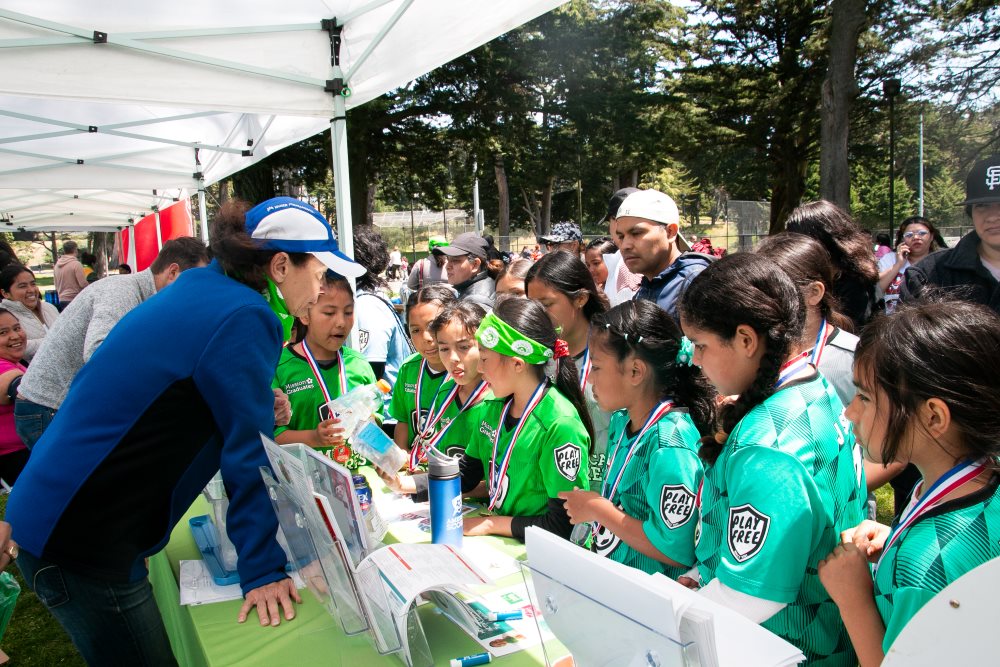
(658, 488)
(550, 454)
(938, 548)
(403, 407)
(787, 482)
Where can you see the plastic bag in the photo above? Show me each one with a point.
(9, 590)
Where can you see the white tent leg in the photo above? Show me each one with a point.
(341, 178)
(202, 214)
(159, 234)
(131, 247)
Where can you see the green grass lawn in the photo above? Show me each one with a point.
(34, 638)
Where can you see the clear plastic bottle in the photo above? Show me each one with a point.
(355, 408)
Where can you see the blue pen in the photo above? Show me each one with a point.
(505, 615)
(471, 660)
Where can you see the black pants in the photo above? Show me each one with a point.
(12, 464)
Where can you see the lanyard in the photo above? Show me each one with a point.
(424, 424)
(341, 372)
(477, 395)
(820, 344)
(585, 367)
(948, 482)
(654, 416)
(497, 473)
(810, 357)
(418, 452)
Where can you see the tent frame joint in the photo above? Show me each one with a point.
(100, 37)
(336, 30)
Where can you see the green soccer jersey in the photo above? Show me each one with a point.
(462, 427)
(938, 548)
(550, 454)
(294, 377)
(403, 407)
(658, 488)
(787, 482)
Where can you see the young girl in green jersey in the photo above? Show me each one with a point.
(531, 441)
(318, 368)
(928, 394)
(782, 480)
(644, 515)
(566, 289)
(422, 374)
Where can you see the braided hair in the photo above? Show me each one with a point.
(746, 289)
(644, 329)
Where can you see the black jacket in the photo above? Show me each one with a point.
(958, 270)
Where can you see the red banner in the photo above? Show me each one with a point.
(175, 221)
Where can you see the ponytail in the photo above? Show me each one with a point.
(745, 289)
(529, 318)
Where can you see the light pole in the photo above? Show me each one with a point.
(891, 88)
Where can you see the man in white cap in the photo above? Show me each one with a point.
(648, 231)
(973, 265)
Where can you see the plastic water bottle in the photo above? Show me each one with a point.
(444, 487)
(581, 533)
(357, 406)
(372, 443)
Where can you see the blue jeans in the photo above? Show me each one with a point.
(110, 623)
(31, 420)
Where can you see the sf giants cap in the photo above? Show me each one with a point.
(983, 183)
(655, 206)
(290, 225)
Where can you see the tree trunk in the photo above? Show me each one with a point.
(223, 191)
(838, 93)
(503, 197)
(101, 252)
(788, 185)
(545, 225)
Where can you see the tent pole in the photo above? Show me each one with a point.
(341, 178)
(159, 234)
(131, 246)
(202, 214)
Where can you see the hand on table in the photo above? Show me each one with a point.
(268, 598)
(282, 408)
(869, 537)
(8, 547)
(583, 506)
(846, 576)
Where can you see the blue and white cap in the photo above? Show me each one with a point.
(290, 225)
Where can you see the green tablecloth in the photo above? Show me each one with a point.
(209, 634)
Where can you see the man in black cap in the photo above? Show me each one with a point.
(468, 255)
(621, 284)
(972, 267)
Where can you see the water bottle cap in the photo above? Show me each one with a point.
(383, 386)
(440, 465)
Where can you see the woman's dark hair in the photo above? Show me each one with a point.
(440, 294)
(530, 319)
(566, 273)
(806, 261)
(469, 313)
(751, 290)
(644, 329)
(840, 235)
(948, 350)
(882, 238)
(9, 274)
(371, 252)
(242, 259)
(88, 258)
(331, 281)
(604, 245)
(920, 220)
(518, 268)
(7, 254)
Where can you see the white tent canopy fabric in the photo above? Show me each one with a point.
(131, 97)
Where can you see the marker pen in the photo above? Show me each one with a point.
(471, 660)
(516, 615)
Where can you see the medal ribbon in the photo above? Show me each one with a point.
(948, 482)
(497, 472)
(341, 371)
(418, 452)
(654, 416)
(791, 368)
(477, 395)
(585, 367)
(820, 344)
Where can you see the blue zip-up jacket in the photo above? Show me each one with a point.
(665, 289)
(180, 388)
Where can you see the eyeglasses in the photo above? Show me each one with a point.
(919, 234)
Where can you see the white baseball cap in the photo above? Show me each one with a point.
(291, 225)
(654, 206)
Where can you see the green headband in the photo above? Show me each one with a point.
(498, 336)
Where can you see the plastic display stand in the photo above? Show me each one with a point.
(395, 629)
(206, 536)
(321, 563)
(595, 634)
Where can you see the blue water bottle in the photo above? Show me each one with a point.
(444, 488)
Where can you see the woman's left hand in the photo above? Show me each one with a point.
(583, 506)
(8, 548)
(846, 576)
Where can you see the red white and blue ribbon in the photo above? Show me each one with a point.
(475, 397)
(820, 344)
(418, 452)
(654, 416)
(948, 482)
(498, 472)
(585, 367)
(314, 367)
(811, 357)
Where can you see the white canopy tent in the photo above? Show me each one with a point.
(107, 101)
